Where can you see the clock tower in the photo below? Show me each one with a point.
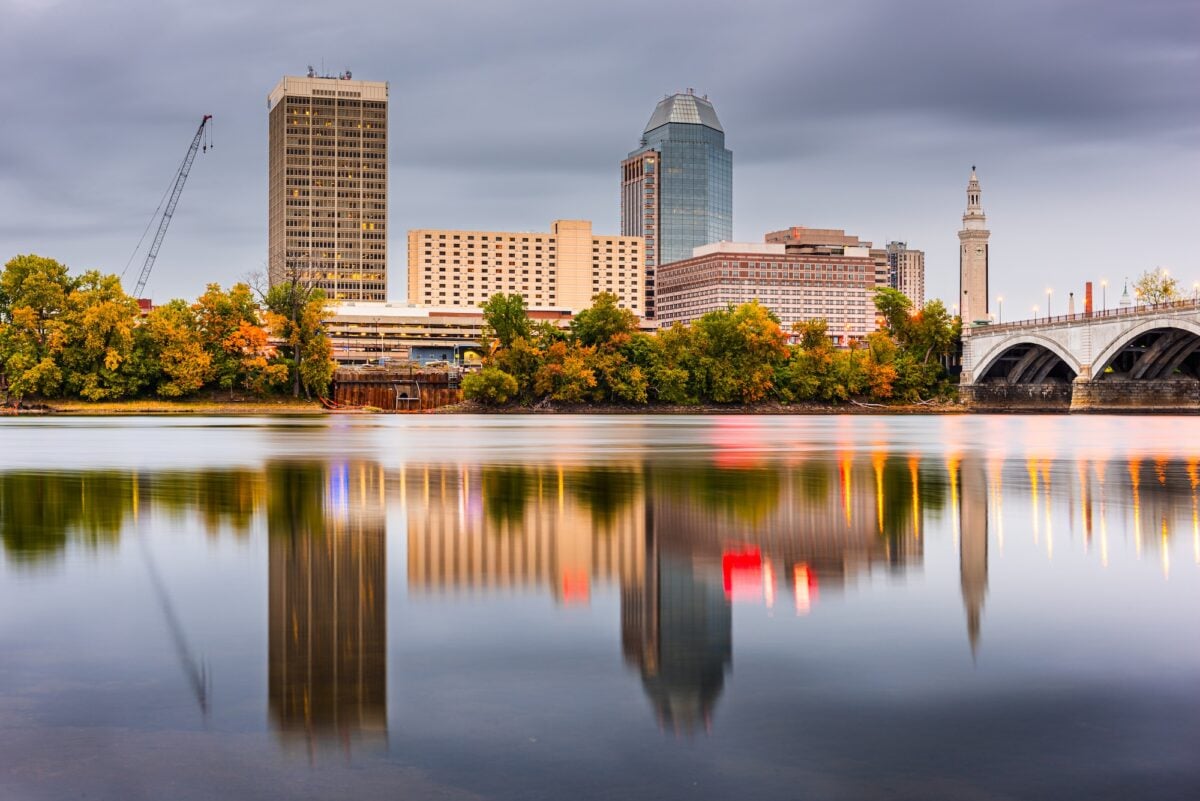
(973, 258)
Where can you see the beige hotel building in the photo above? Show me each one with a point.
(327, 185)
(564, 268)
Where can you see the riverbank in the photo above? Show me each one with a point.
(474, 407)
(194, 406)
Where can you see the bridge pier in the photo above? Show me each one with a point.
(1165, 395)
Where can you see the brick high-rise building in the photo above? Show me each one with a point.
(327, 185)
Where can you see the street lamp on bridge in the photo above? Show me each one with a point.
(1048, 292)
(1104, 294)
(1000, 309)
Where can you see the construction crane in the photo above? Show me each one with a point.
(169, 211)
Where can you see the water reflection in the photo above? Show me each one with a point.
(680, 543)
(327, 603)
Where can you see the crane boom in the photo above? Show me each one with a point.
(176, 190)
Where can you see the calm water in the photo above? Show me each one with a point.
(624, 607)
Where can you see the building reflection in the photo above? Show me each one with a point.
(327, 603)
(973, 544)
(682, 542)
(473, 529)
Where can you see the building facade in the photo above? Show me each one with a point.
(677, 186)
(906, 272)
(327, 185)
(565, 268)
(379, 333)
(833, 284)
(973, 258)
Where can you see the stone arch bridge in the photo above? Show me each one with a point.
(1145, 358)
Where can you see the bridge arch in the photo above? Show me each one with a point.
(1152, 349)
(1026, 359)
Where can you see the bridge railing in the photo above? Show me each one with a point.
(1145, 309)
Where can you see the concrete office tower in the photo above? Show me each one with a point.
(677, 186)
(973, 258)
(906, 272)
(327, 185)
(564, 268)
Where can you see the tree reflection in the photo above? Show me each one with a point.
(40, 513)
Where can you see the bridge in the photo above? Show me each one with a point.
(1144, 358)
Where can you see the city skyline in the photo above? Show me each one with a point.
(1073, 135)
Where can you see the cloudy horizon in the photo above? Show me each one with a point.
(1083, 120)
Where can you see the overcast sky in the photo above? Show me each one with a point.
(1083, 119)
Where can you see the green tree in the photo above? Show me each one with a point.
(1155, 287)
(739, 350)
(491, 386)
(603, 321)
(504, 320)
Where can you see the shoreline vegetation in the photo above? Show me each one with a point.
(735, 360)
(70, 340)
(78, 345)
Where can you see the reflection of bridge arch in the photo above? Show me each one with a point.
(1028, 359)
(1154, 349)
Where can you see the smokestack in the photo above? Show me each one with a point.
(1087, 299)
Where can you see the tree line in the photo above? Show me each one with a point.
(738, 355)
(65, 336)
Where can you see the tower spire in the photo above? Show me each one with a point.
(973, 257)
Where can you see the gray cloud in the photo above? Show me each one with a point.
(1083, 116)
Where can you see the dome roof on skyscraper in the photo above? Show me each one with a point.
(684, 107)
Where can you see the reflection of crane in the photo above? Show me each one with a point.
(176, 189)
(196, 672)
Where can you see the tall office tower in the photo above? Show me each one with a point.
(327, 185)
(973, 258)
(906, 272)
(677, 187)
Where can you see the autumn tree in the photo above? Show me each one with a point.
(33, 296)
(94, 344)
(297, 316)
(1156, 286)
(173, 358)
(219, 316)
(738, 350)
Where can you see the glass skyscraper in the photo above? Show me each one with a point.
(677, 187)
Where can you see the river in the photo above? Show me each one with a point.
(550, 607)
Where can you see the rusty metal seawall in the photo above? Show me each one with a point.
(407, 389)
